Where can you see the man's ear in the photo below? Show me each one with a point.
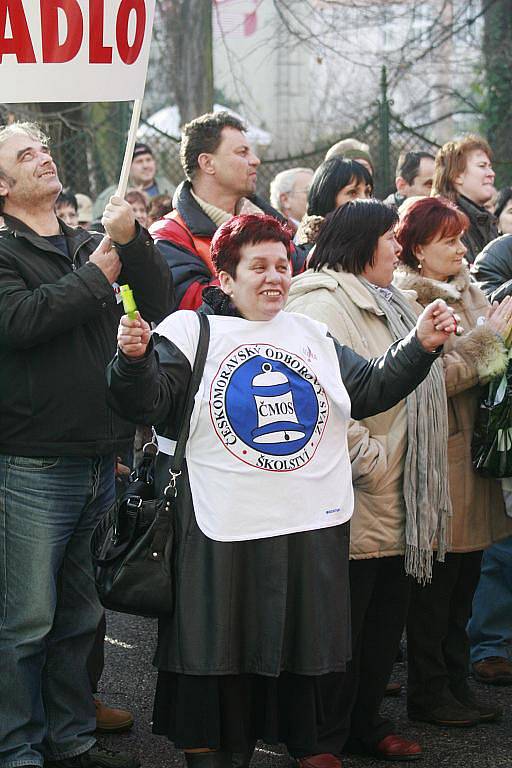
(205, 163)
(4, 187)
(401, 184)
(283, 201)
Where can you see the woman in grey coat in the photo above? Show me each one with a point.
(261, 603)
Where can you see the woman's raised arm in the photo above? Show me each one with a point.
(378, 384)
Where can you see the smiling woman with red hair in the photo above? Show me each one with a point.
(261, 604)
(433, 218)
(431, 235)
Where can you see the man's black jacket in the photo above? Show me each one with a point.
(482, 227)
(493, 268)
(58, 328)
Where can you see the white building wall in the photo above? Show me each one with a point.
(262, 71)
(316, 75)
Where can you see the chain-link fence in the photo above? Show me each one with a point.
(88, 143)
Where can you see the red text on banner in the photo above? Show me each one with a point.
(58, 48)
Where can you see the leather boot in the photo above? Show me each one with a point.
(110, 720)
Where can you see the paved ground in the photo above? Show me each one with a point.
(129, 680)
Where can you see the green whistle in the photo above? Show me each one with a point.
(129, 304)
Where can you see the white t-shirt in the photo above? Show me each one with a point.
(267, 453)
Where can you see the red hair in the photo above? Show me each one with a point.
(246, 229)
(428, 219)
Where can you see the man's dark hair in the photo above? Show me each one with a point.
(330, 177)
(502, 199)
(141, 149)
(159, 205)
(348, 236)
(203, 134)
(67, 197)
(409, 164)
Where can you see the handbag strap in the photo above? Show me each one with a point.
(193, 386)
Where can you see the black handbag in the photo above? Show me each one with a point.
(132, 545)
(492, 436)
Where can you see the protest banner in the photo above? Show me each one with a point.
(76, 51)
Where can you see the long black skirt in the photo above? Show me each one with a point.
(232, 712)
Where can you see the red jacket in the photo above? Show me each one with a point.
(184, 236)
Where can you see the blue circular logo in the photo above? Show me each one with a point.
(267, 406)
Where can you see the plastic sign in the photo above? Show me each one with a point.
(74, 50)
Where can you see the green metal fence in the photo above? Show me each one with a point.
(88, 143)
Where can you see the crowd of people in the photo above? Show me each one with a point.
(328, 506)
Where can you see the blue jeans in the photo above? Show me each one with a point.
(49, 609)
(490, 626)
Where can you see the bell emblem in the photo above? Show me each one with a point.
(277, 419)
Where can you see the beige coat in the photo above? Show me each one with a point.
(469, 361)
(378, 444)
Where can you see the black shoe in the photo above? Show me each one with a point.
(96, 757)
(486, 712)
(450, 713)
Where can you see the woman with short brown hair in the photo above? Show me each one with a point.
(463, 174)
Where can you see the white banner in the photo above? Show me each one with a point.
(74, 50)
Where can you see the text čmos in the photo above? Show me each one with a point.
(65, 27)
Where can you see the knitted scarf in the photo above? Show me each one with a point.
(426, 489)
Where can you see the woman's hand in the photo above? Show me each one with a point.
(499, 317)
(435, 324)
(133, 336)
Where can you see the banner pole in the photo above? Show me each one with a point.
(130, 144)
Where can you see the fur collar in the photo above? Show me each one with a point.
(428, 290)
(308, 229)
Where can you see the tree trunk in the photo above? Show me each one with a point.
(497, 51)
(189, 29)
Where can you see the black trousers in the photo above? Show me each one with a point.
(437, 643)
(379, 592)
